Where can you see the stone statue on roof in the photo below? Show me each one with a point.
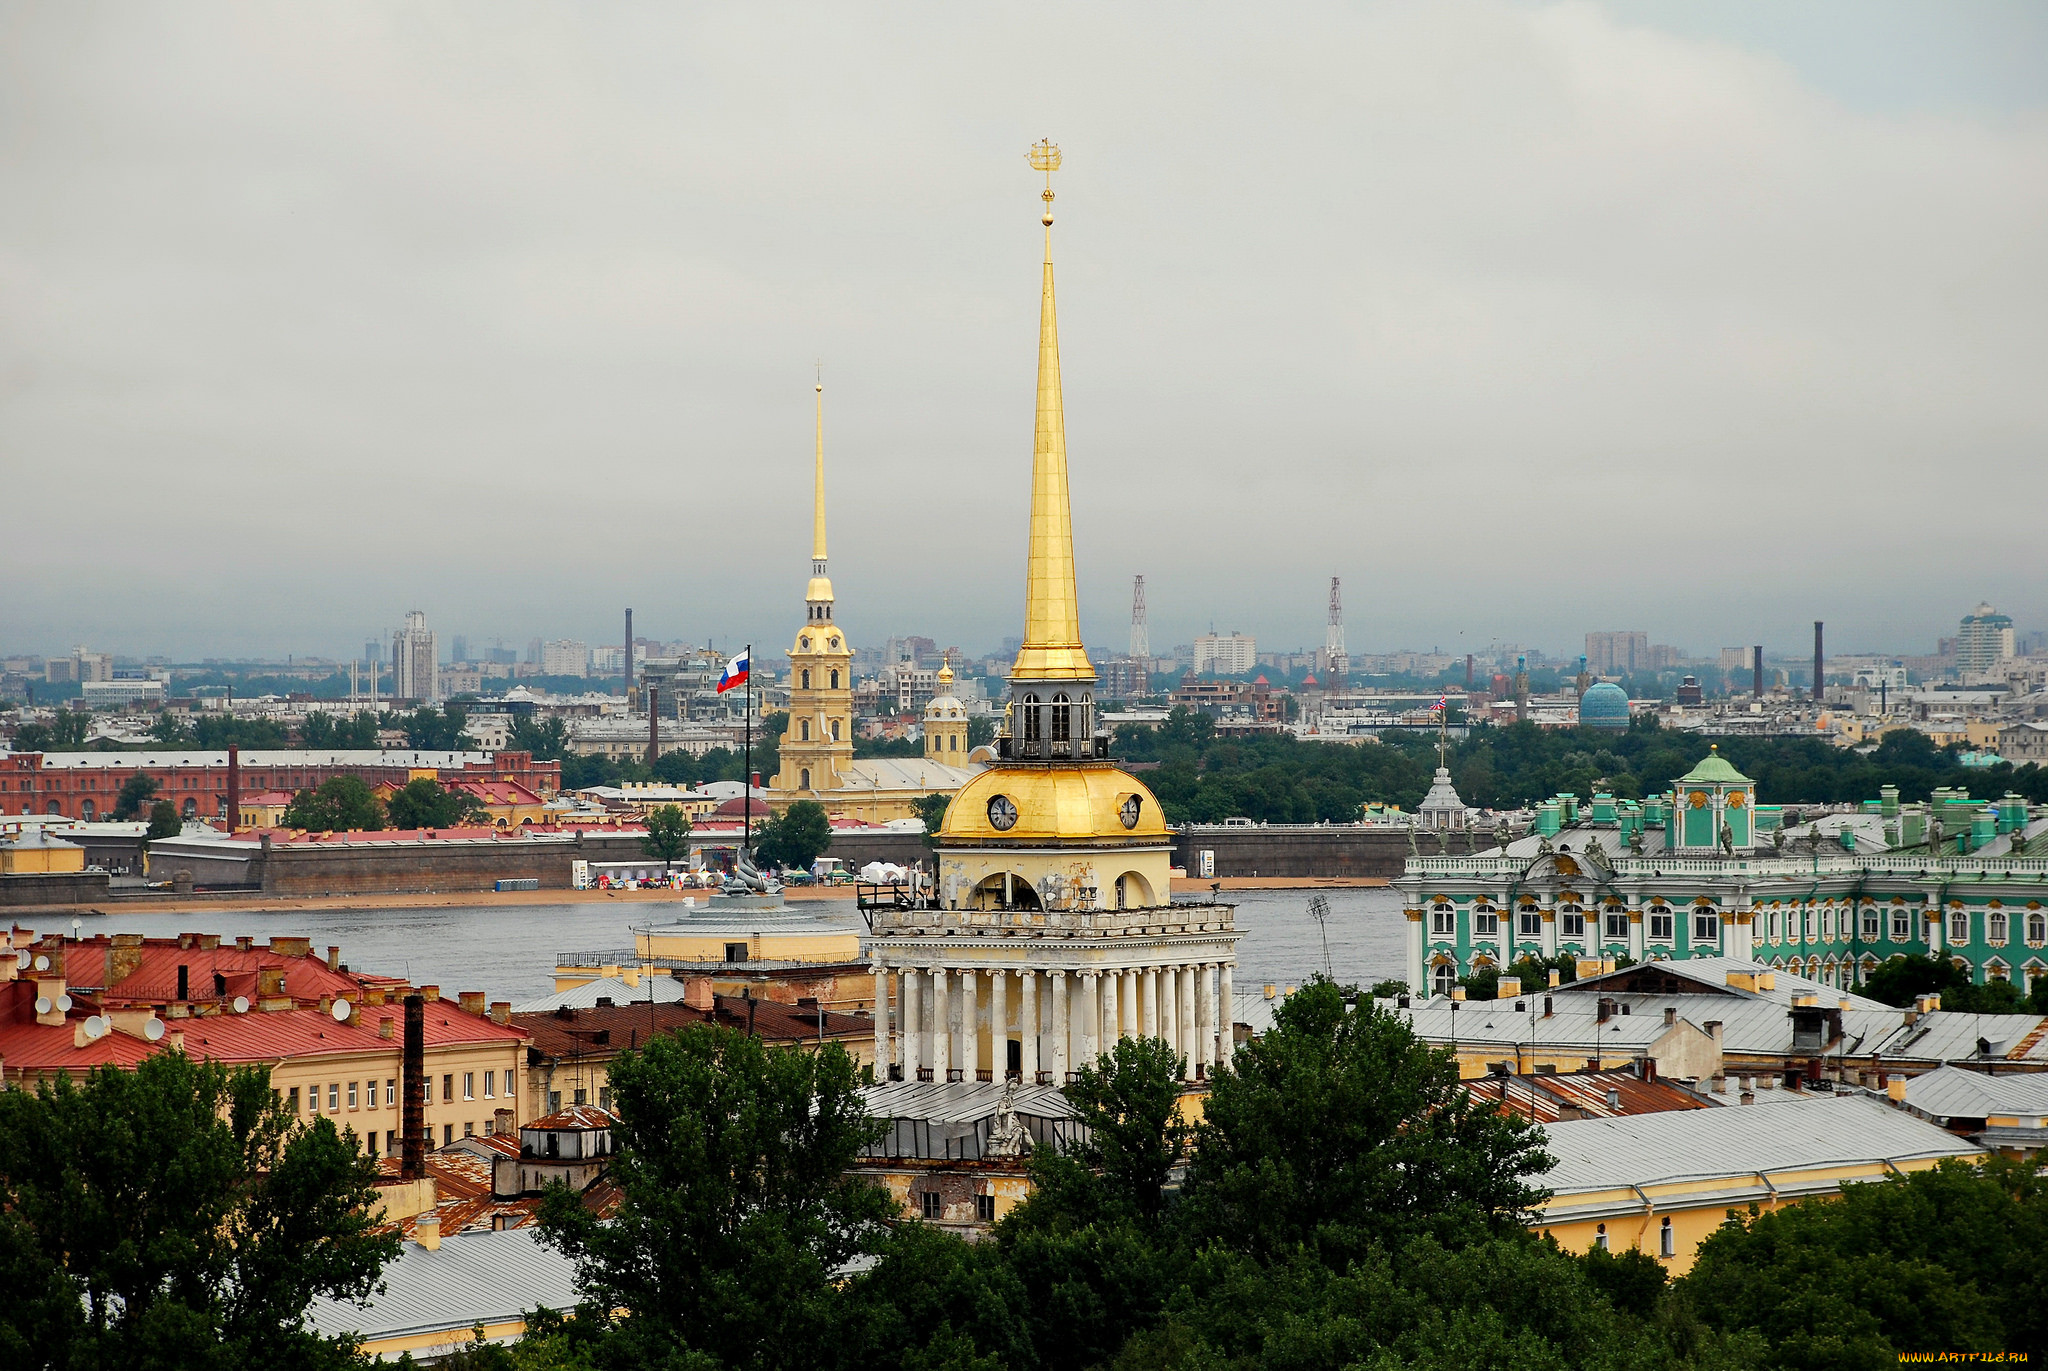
(1007, 1136)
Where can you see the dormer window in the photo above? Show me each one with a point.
(804, 643)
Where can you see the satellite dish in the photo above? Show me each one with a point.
(23, 958)
(42, 963)
(64, 1003)
(241, 1004)
(95, 1027)
(42, 1004)
(341, 1008)
(153, 1029)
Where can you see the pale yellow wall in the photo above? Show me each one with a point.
(304, 1073)
(40, 860)
(1693, 1208)
(808, 945)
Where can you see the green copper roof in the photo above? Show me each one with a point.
(1714, 768)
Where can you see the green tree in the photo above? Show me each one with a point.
(668, 834)
(1127, 1104)
(1945, 1259)
(931, 809)
(134, 794)
(168, 730)
(423, 803)
(222, 730)
(177, 1215)
(69, 728)
(796, 837)
(163, 821)
(323, 732)
(735, 1211)
(34, 738)
(341, 804)
(437, 730)
(1340, 1130)
(1901, 979)
(547, 739)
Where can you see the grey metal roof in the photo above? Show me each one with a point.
(1951, 1035)
(960, 1101)
(487, 1277)
(1655, 1149)
(1953, 1093)
(1714, 972)
(586, 996)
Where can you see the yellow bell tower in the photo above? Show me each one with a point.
(945, 723)
(819, 740)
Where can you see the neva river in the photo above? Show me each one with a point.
(508, 951)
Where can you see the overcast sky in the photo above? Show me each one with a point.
(1525, 319)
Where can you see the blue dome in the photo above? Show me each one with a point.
(1604, 706)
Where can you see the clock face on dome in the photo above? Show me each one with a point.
(1128, 811)
(1002, 812)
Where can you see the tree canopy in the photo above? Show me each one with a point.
(424, 803)
(340, 804)
(134, 794)
(177, 1214)
(796, 837)
(668, 834)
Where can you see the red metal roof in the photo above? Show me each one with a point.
(156, 963)
(1584, 1094)
(575, 1116)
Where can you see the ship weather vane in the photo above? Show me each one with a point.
(1045, 157)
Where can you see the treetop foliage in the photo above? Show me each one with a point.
(1278, 778)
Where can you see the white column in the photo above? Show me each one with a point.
(999, 1025)
(1111, 1002)
(1636, 931)
(1205, 1021)
(1027, 1027)
(907, 1026)
(881, 1022)
(1418, 935)
(1148, 993)
(1226, 1015)
(1184, 1016)
(966, 1039)
(942, 1026)
(1091, 1018)
(1057, 980)
(1168, 1006)
(1127, 1017)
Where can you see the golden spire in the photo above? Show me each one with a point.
(1052, 617)
(821, 586)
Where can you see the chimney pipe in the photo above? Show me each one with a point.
(1818, 661)
(629, 654)
(184, 981)
(414, 1159)
(1756, 661)
(653, 724)
(234, 789)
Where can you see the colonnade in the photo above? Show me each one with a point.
(962, 1022)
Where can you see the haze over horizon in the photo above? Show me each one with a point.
(1525, 319)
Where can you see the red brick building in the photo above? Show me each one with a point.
(84, 785)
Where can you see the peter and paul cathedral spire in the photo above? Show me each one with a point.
(817, 744)
(820, 592)
(1052, 617)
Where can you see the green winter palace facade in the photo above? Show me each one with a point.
(1705, 870)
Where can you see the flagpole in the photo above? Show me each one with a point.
(747, 767)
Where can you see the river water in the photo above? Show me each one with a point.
(508, 951)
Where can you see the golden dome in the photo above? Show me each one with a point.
(1055, 806)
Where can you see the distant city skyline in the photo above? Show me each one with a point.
(1524, 320)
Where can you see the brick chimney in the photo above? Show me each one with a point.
(501, 1011)
(697, 993)
(472, 1002)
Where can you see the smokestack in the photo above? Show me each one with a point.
(629, 654)
(234, 788)
(1818, 662)
(1468, 671)
(414, 1159)
(653, 724)
(1756, 661)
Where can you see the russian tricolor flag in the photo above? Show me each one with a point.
(735, 673)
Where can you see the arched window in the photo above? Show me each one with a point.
(835, 730)
(803, 730)
(1446, 976)
(1062, 718)
(2037, 927)
(1443, 920)
(191, 810)
(86, 811)
(835, 677)
(1032, 723)
(1959, 926)
(1600, 1237)
(1994, 922)
(1667, 1241)
(806, 775)
(953, 742)
(807, 678)
(54, 808)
